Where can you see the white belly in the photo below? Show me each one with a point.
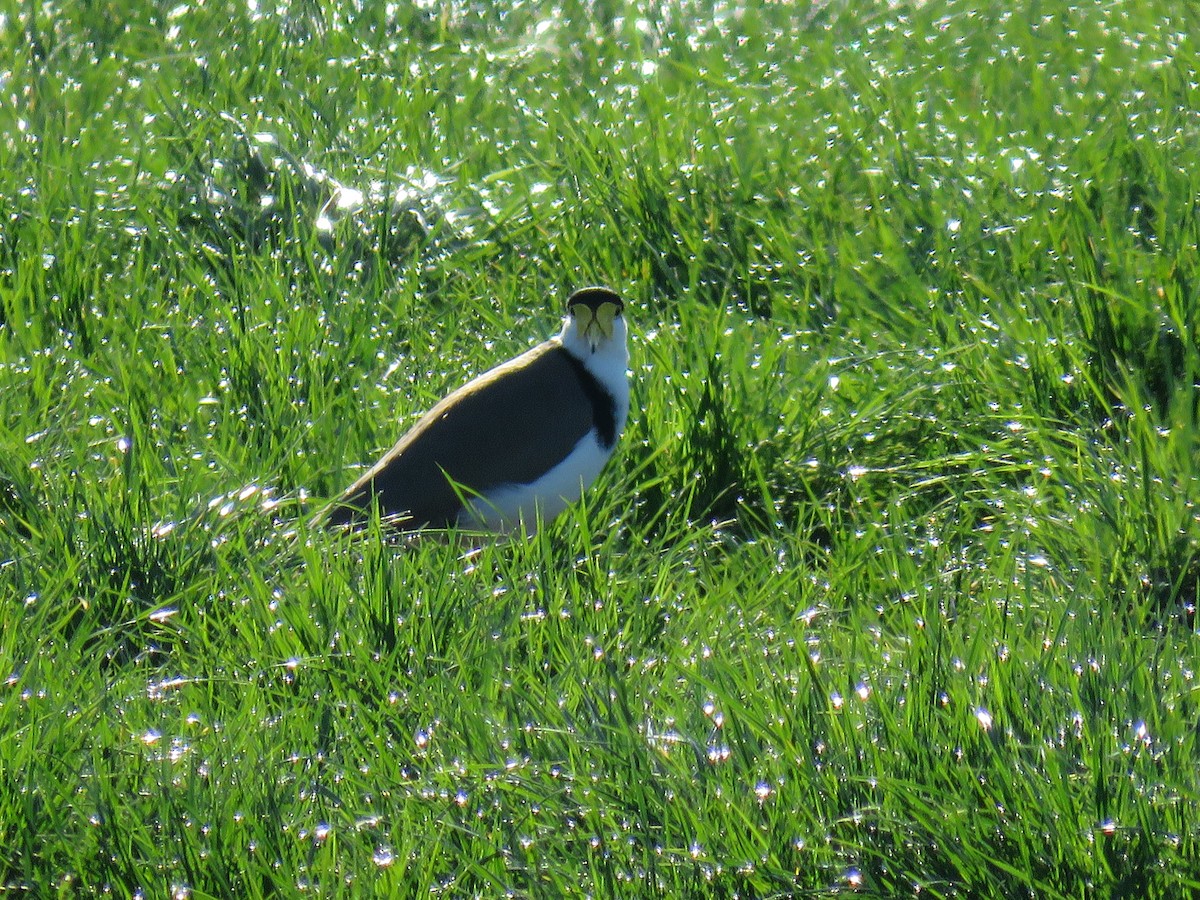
(506, 507)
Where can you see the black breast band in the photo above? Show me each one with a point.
(604, 409)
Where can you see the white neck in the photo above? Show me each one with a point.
(608, 360)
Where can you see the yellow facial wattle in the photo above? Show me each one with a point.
(596, 323)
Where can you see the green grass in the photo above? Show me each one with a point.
(890, 589)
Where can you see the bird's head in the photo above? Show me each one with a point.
(594, 317)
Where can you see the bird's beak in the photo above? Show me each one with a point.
(595, 324)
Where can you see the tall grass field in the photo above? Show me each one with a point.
(888, 591)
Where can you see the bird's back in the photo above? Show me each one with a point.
(496, 430)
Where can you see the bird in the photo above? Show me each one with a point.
(514, 446)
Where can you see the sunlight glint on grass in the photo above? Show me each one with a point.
(890, 589)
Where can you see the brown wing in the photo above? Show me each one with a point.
(508, 426)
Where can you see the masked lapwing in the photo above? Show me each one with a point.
(518, 443)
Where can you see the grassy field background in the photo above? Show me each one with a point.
(889, 590)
